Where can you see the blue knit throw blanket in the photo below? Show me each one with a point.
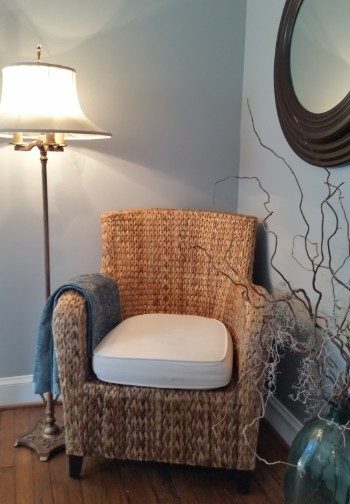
(103, 313)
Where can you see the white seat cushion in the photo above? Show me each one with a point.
(166, 351)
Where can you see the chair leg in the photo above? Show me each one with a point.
(75, 465)
(244, 479)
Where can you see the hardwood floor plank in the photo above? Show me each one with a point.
(52, 484)
(41, 470)
(42, 481)
(160, 479)
(211, 485)
(26, 480)
(255, 496)
(266, 480)
(8, 435)
(180, 482)
(7, 485)
(270, 447)
(65, 490)
(113, 481)
(92, 483)
(136, 484)
(23, 461)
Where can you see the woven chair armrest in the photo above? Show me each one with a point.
(69, 327)
(253, 342)
(246, 310)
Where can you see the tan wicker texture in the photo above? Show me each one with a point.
(170, 261)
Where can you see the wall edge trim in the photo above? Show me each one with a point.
(282, 420)
(16, 390)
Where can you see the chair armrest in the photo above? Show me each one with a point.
(245, 312)
(69, 328)
(244, 315)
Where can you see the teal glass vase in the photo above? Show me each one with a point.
(321, 454)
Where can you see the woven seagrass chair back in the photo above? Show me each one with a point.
(169, 261)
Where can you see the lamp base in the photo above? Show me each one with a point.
(43, 444)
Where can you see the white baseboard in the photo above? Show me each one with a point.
(282, 420)
(17, 390)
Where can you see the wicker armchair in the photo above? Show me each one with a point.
(167, 261)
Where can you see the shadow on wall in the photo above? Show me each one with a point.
(261, 274)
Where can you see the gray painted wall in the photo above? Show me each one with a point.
(262, 23)
(165, 77)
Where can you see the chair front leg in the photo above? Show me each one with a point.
(244, 479)
(75, 466)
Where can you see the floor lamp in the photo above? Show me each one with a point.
(40, 108)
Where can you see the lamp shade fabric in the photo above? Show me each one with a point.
(41, 98)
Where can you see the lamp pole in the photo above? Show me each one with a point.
(47, 437)
(43, 160)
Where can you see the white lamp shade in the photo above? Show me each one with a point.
(41, 98)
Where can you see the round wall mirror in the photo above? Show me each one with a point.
(320, 55)
(312, 79)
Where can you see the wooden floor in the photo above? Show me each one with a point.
(25, 480)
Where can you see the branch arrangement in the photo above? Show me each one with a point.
(310, 319)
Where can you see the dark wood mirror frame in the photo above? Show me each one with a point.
(319, 139)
